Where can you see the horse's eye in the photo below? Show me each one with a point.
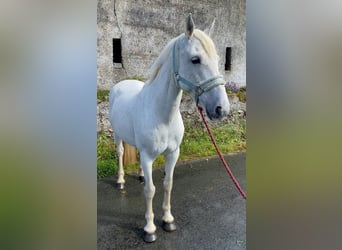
(195, 60)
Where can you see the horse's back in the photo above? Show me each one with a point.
(125, 89)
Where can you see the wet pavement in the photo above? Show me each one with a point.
(209, 212)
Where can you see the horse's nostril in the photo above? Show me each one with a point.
(218, 110)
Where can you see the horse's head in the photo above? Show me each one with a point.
(195, 66)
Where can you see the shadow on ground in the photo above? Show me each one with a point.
(209, 212)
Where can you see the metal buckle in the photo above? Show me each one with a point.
(199, 91)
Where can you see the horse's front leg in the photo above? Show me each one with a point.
(149, 189)
(168, 220)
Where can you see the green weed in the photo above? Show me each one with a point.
(196, 143)
(230, 137)
(106, 156)
(102, 94)
(139, 78)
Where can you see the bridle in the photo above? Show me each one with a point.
(199, 87)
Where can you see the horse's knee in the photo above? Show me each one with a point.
(167, 184)
(149, 191)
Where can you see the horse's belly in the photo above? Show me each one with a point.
(123, 127)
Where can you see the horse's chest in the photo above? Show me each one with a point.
(162, 138)
(168, 135)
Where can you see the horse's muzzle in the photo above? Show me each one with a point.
(217, 113)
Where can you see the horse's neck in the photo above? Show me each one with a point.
(165, 95)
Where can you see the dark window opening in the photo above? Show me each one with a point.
(117, 58)
(228, 64)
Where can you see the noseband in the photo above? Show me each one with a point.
(199, 87)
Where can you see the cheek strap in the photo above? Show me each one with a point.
(199, 87)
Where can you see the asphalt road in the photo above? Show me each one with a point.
(209, 212)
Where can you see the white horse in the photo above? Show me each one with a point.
(148, 117)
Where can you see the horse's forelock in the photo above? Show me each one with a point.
(206, 43)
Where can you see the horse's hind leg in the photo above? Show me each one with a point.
(120, 152)
(141, 175)
(168, 220)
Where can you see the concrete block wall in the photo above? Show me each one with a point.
(146, 26)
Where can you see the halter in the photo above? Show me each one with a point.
(199, 87)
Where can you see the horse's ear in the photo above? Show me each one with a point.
(189, 26)
(210, 31)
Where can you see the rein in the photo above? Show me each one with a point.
(199, 87)
(243, 194)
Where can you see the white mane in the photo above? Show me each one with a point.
(160, 60)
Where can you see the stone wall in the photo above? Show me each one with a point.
(146, 26)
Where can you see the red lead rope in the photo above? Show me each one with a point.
(220, 155)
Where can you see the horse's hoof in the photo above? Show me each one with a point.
(141, 179)
(149, 238)
(169, 226)
(120, 186)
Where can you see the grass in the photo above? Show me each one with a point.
(102, 94)
(107, 162)
(139, 78)
(241, 93)
(231, 137)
